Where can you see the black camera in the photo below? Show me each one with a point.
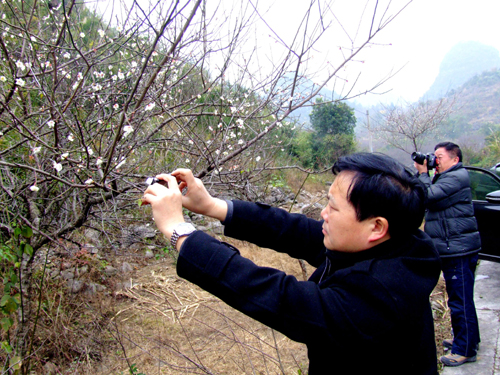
(419, 158)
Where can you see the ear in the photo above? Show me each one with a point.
(379, 229)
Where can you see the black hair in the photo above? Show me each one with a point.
(382, 186)
(451, 148)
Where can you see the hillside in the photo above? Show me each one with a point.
(477, 109)
(461, 63)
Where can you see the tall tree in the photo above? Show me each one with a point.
(333, 132)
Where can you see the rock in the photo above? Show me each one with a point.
(50, 369)
(75, 286)
(312, 211)
(110, 270)
(93, 288)
(126, 267)
(68, 274)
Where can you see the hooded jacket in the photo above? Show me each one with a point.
(449, 219)
(353, 311)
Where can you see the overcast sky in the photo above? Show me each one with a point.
(417, 39)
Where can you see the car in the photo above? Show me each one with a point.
(485, 186)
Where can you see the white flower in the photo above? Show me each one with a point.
(57, 166)
(98, 161)
(50, 123)
(89, 181)
(187, 161)
(240, 142)
(65, 155)
(82, 35)
(89, 150)
(36, 150)
(20, 82)
(150, 106)
(127, 129)
(67, 55)
(190, 142)
(3, 79)
(121, 75)
(20, 65)
(101, 33)
(70, 138)
(120, 164)
(116, 106)
(134, 64)
(79, 76)
(34, 188)
(257, 158)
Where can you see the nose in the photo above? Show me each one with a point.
(324, 215)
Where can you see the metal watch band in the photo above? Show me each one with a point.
(181, 230)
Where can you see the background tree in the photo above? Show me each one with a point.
(331, 136)
(408, 126)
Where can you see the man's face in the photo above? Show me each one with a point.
(443, 160)
(342, 231)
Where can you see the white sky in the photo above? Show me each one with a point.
(417, 39)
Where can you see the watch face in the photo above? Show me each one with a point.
(184, 228)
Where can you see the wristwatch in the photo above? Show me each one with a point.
(181, 230)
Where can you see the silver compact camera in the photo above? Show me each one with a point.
(153, 180)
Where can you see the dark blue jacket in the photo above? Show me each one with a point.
(359, 313)
(449, 219)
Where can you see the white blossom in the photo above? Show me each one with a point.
(20, 82)
(51, 123)
(101, 33)
(116, 106)
(20, 65)
(65, 155)
(34, 188)
(67, 55)
(89, 150)
(190, 142)
(3, 79)
(99, 161)
(82, 35)
(36, 150)
(127, 129)
(257, 159)
(57, 166)
(120, 164)
(121, 75)
(150, 106)
(240, 142)
(89, 181)
(70, 138)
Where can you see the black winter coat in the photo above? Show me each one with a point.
(449, 219)
(359, 313)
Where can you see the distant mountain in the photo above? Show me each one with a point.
(477, 109)
(461, 63)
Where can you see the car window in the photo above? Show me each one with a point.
(481, 184)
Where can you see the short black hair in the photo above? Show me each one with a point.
(451, 148)
(382, 186)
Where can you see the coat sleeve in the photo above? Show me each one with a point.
(302, 310)
(443, 193)
(276, 229)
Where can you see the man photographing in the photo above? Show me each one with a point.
(375, 268)
(451, 224)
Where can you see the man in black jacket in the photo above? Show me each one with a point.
(375, 268)
(450, 222)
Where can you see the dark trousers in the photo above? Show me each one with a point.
(459, 276)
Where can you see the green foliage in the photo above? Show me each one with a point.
(332, 136)
(332, 118)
